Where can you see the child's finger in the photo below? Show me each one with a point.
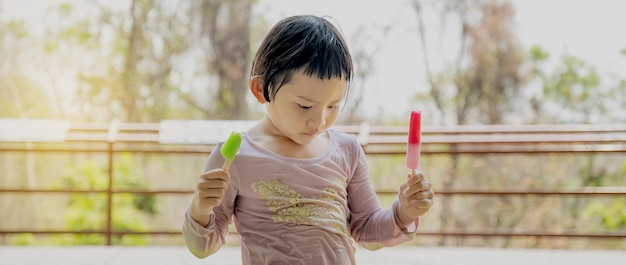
(415, 178)
(416, 193)
(423, 185)
(215, 174)
(423, 203)
(427, 194)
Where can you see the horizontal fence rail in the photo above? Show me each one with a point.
(113, 138)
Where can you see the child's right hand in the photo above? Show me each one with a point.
(208, 193)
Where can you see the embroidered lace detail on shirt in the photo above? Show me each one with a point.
(291, 207)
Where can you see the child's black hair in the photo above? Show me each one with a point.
(307, 43)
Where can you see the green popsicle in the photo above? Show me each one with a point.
(230, 148)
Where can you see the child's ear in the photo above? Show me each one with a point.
(256, 86)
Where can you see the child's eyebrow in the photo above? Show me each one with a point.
(307, 99)
(313, 101)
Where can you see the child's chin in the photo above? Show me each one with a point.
(304, 139)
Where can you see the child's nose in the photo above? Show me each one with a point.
(318, 119)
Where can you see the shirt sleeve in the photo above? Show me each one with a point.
(370, 225)
(204, 241)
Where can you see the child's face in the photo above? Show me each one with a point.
(306, 106)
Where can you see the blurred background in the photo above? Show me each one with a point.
(461, 62)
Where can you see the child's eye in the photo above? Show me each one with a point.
(304, 107)
(333, 107)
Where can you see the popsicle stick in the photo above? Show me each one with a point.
(226, 165)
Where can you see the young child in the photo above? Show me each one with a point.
(299, 192)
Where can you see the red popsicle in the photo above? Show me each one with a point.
(414, 141)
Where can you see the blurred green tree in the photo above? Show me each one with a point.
(573, 91)
(224, 28)
(19, 94)
(486, 76)
(156, 60)
(88, 212)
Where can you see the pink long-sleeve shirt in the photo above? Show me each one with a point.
(298, 211)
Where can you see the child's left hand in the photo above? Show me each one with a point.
(416, 198)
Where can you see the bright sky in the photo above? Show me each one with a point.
(591, 30)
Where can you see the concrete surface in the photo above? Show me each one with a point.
(102, 255)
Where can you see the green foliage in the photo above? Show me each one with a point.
(17, 28)
(127, 75)
(608, 215)
(612, 216)
(572, 90)
(538, 54)
(88, 212)
(23, 240)
(17, 86)
(24, 97)
(574, 83)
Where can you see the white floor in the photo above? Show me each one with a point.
(101, 255)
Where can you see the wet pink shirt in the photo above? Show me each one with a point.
(299, 211)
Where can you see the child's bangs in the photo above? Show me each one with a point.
(331, 62)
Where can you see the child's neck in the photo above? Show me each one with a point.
(286, 147)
